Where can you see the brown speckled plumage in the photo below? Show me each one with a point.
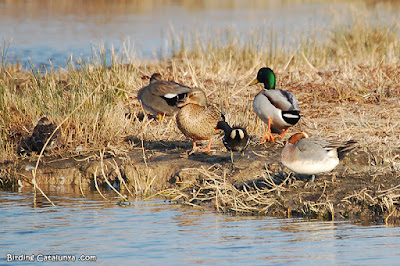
(198, 122)
(196, 119)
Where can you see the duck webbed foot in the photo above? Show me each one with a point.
(208, 149)
(268, 136)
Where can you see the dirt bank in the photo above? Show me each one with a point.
(255, 185)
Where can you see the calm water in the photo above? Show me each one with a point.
(41, 31)
(156, 233)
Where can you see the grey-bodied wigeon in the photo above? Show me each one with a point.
(311, 156)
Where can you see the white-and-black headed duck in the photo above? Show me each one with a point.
(235, 138)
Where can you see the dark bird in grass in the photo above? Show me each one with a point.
(235, 138)
(41, 133)
(161, 97)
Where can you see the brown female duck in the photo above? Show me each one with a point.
(197, 120)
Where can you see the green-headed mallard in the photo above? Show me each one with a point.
(197, 120)
(311, 156)
(278, 108)
(161, 97)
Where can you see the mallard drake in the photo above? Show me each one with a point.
(311, 156)
(41, 133)
(161, 97)
(197, 120)
(235, 138)
(278, 108)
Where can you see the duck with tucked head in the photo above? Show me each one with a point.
(311, 156)
(197, 120)
(161, 97)
(235, 138)
(278, 108)
(41, 133)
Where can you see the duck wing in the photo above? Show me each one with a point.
(342, 147)
(281, 99)
(311, 145)
(170, 91)
(168, 88)
(315, 144)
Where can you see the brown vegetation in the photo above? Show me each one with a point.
(347, 85)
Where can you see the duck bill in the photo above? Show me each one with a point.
(185, 102)
(254, 82)
(180, 105)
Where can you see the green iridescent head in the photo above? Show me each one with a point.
(266, 76)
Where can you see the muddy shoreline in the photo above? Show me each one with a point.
(256, 185)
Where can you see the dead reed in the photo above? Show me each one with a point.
(346, 79)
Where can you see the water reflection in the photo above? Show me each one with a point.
(155, 231)
(44, 31)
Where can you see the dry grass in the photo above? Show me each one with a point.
(347, 83)
(347, 86)
(372, 197)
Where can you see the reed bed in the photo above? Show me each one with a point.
(346, 79)
(350, 79)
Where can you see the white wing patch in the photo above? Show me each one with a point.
(170, 95)
(290, 115)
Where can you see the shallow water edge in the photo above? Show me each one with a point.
(253, 186)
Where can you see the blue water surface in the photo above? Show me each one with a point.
(156, 232)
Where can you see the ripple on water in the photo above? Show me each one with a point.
(155, 231)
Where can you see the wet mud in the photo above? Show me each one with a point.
(357, 189)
